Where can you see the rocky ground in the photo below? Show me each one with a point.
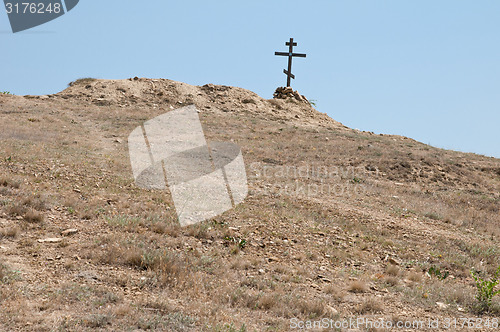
(338, 224)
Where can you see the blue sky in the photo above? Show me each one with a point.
(429, 70)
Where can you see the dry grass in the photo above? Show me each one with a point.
(391, 281)
(165, 266)
(415, 276)
(370, 306)
(16, 210)
(392, 270)
(130, 244)
(33, 216)
(357, 286)
(337, 293)
(10, 232)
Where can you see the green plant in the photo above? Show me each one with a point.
(356, 180)
(241, 243)
(313, 102)
(5, 93)
(485, 289)
(436, 272)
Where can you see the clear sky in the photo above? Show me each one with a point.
(425, 69)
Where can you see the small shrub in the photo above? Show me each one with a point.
(392, 270)
(433, 216)
(370, 306)
(357, 286)
(436, 272)
(391, 281)
(16, 210)
(240, 243)
(33, 216)
(311, 308)
(415, 277)
(98, 320)
(9, 232)
(485, 290)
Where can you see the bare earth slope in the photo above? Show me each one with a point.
(338, 223)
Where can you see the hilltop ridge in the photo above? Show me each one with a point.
(338, 223)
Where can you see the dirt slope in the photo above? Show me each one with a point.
(338, 223)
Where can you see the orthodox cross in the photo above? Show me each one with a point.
(290, 55)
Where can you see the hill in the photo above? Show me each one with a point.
(337, 224)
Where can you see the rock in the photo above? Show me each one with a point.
(288, 93)
(392, 261)
(442, 305)
(332, 310)
(50, 240)
(69, 232)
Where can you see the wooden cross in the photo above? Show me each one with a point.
(290, 55)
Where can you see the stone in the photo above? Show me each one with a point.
(332, 310)
(69, 232)
(50, 240)
(442, 305)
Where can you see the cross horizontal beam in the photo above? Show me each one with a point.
(300, 55)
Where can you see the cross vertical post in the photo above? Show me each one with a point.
(290, 55)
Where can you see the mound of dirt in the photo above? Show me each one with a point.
(159, 93)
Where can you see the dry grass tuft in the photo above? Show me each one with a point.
(16, 210)
(391, 281)
(199, 231)
(370, 306)
(311, 308)
(392, 270)
(267, 301)
(33, 216)
(37, 202)
(133, 257)
(357, 286)
(166, 267)
(337, 293)
(122, 310)
(415, 277)
(10, 232)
